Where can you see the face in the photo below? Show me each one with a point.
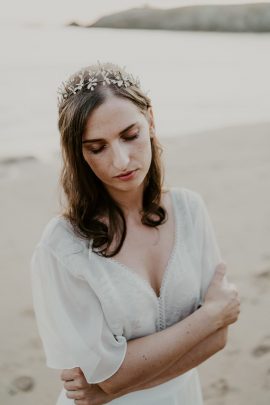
(117, 140)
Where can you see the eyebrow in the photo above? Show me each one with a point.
(102, 139)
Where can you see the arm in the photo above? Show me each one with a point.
(201, 352)
(92, 393)
(149, 356)
(221, 299)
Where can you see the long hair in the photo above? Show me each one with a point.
(87, 200)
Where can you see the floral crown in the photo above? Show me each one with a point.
(87, 79)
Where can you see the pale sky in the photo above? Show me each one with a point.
(61, 11)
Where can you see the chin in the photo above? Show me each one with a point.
(128, 186)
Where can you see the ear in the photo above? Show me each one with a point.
(151, 122)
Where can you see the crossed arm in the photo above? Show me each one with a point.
(154, 359)
(151, 356)
(93, 393)
(197, 355)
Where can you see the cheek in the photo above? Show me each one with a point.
(144, 149)
(88, 160)
(95, 164)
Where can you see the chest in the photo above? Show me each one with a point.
(132, 304)
(147, 251)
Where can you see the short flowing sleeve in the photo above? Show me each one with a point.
(209, 255)
(70, 320)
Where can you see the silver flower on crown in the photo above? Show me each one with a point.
(88, 79)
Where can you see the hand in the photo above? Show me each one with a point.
(80, 390)
(222, 298)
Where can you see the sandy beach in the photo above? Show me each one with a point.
(230, 167)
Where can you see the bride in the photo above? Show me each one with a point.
(129, 288)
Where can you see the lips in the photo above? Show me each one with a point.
(125, 174)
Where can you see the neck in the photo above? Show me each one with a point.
(130, 201)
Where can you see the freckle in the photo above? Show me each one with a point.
(144, 357)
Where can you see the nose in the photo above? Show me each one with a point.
(120, 157)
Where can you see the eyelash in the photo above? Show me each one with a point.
(131, 138)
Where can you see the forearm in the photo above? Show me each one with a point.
(149, 356)
(197, 355)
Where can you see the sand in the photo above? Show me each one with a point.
(230, 167)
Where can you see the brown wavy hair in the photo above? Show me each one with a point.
(87, 200)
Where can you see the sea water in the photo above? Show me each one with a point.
(197, 81)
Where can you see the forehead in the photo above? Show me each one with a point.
(111, 117)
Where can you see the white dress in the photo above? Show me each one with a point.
(87, 307)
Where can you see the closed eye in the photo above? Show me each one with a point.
(130, 138)
(126, 139)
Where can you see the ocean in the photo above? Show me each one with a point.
(197, 81)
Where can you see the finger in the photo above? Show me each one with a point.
(70, 373)
(76, 384)
(79, 394)
(225, 281)
(70, 385)
(219, 272)
(234, 289)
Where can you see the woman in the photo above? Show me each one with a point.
(124, 290)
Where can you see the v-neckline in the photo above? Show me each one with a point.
(140, 278)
